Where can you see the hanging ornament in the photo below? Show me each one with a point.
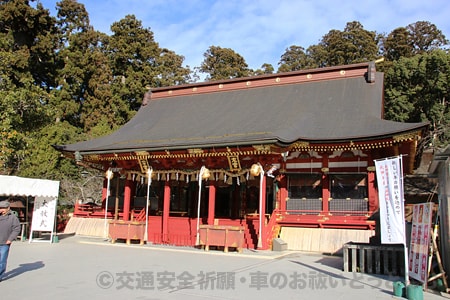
(206, 174)
(256, 169)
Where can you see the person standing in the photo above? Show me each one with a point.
(9, 230)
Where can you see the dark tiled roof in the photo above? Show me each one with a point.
(328, 110)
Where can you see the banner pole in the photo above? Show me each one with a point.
(109, 175)
(406, 265)
(149, 183)
(200, 175)
(404, 224)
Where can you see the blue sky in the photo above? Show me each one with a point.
(259, 30)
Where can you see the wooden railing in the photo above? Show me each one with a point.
(272, 230)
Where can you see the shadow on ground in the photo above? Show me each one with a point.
(22, 268)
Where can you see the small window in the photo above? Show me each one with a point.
(348, 186)
(307, 186)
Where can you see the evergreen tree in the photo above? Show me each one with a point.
(27, 46)
(223, 63)
(295, 59)
(137, 61)
(417, 89)
(415, 38)
(265, 69)
(353, 45)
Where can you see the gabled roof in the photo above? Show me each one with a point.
(327, 105)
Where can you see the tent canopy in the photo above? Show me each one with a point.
(20, 186)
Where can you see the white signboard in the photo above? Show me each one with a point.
(44, 213)
(390, 194)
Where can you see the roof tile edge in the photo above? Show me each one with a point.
(309, 75)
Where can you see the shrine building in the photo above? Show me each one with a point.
(286, 156)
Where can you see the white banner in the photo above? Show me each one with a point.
(44, 214)
(390, 193)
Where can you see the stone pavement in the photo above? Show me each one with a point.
(81, 266)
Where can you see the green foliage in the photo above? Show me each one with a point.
(416, 38)
(28, 42)
(265, 69)
(43, 161)
(417, 89)
(223, 63)
(137, 62)
(62, 81)
(22, 114)
(295, 59)
(353, 45)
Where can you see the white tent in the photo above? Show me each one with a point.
(46, 196)
(20, 186)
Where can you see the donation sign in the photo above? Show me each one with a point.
(420, 241)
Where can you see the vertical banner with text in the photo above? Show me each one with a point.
(420, 241)
(390, 193)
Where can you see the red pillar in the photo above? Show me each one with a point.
(283, 194)
(104, 191)
(166, 210)
(325, 193)
(127, 200)
(325, 184)
(212, 202)
(372, 191)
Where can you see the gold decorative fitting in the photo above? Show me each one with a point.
(405, 136)
(342, 72)
(277, 79)
(371, 169)
(262, 148)
(248, 83)
(325, 170)
(170, 92)
(220, 86)
(141, 153)
(194, 89)
(195, 151)
(299, 145)
(309, 76)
